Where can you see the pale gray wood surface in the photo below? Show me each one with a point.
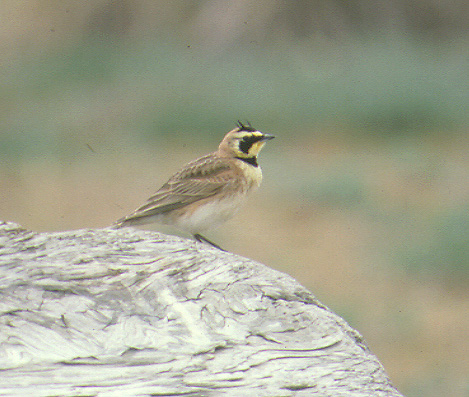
(128, 312)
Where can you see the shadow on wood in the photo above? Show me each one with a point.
(130, 312)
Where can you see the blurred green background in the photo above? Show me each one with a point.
(365, 199)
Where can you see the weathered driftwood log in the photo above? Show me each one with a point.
(128, 312)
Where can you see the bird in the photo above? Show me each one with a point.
(209, 190)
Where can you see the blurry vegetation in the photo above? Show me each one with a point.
(382, 68)
(155, 88)
(444, 251)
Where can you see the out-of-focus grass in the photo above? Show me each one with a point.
(417, 208)
(109, 89)
(444, 250)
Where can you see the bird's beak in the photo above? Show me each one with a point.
(267, 137)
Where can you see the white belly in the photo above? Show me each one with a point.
(210, 215)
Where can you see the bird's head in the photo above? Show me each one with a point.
(244, 142)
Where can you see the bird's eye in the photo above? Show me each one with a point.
(247, 142)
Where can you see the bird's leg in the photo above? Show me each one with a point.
(202, 239)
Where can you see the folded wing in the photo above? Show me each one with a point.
(199, 180)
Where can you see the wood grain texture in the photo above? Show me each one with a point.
(128, 312)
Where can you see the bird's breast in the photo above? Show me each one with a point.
(252, 176)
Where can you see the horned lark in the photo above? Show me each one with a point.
(207, 191)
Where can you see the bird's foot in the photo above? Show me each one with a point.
(202, 239)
